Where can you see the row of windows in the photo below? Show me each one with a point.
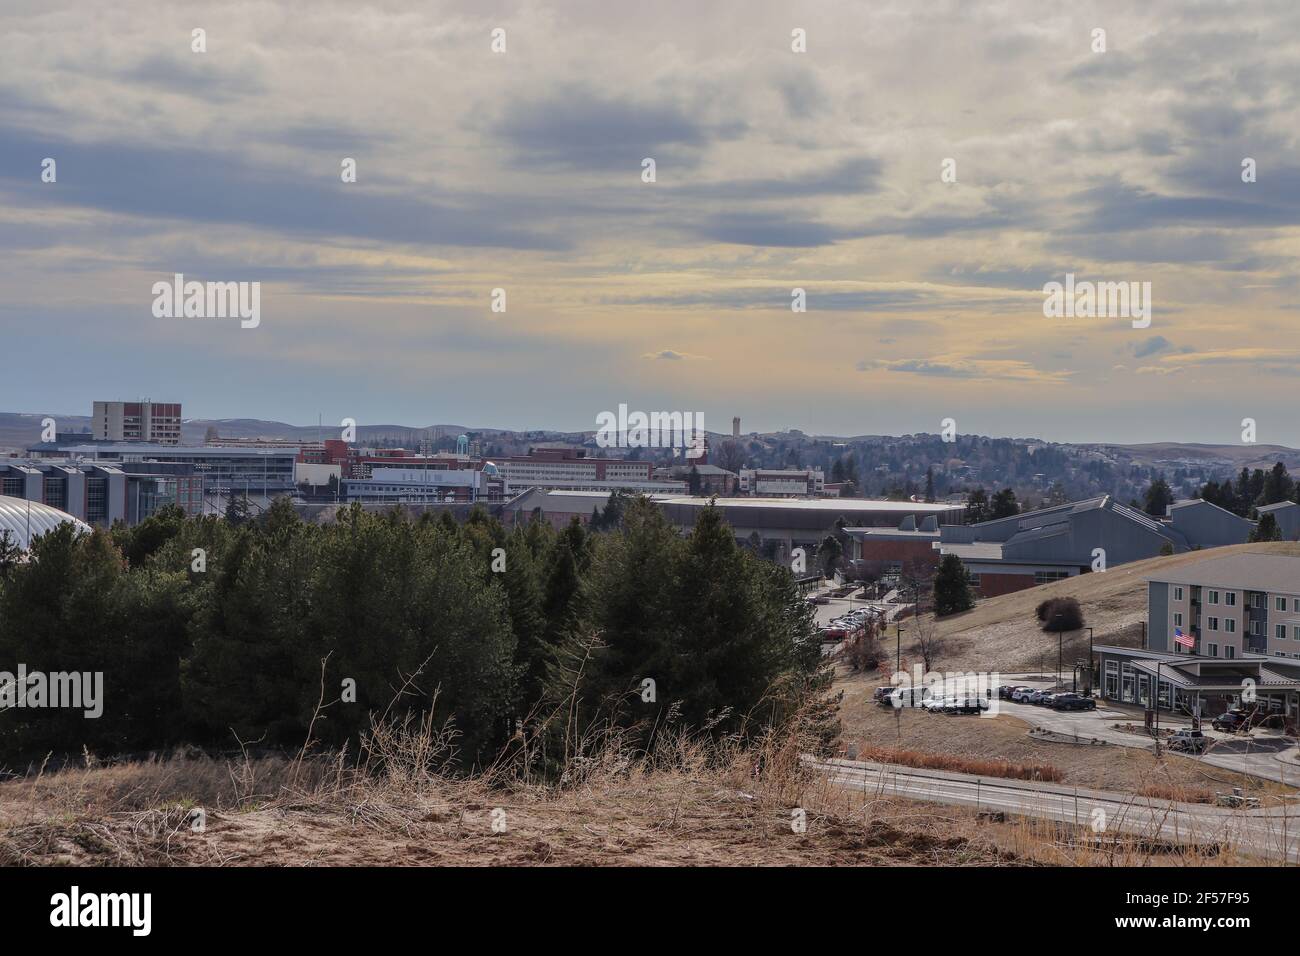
(1230, 599)
(1212, 623)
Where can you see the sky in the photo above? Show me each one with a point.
(522, 170)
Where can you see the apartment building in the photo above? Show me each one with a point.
(158, 423)
(1244, 603)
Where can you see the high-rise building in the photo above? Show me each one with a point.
(156, 422)
(735, 427)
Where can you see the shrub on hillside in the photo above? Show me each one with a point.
(1060, 614)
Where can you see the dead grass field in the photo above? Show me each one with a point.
(1002, 634)
(622, 815)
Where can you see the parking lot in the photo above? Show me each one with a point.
(1262, 752)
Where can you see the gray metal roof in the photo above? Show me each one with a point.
(25, 520)
(1245, 571)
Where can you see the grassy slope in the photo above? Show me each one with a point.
(1002, 633)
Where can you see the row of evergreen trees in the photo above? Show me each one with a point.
(214, 633)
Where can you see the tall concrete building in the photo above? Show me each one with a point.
(735, 427)
(156, 422)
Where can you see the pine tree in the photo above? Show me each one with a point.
(1159, 497)
(952, 592)
(1266, 529)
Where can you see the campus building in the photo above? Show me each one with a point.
(782, 482)
(21, 520)
(779, 525)
(1036, 547)
(100, 493)
(1239, 619)
(146, 421)
(264, 471)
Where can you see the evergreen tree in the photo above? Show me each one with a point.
(1266, 529)
(952, 592)
(1158, 498)
(1278, 486)
(977, 506)
(1004, 504)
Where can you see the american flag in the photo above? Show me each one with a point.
(1186, 640)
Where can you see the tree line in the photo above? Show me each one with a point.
(268, 628)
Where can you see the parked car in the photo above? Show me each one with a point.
(934, 705)
(1229, 721)
(1039, 696)
(1073, 702)
(1191, 741)
(1006, 690)
(1021, 695)
(882, 693)
(967, 705)
(909, 696)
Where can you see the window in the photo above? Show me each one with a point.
(1230, 598)
(1280, 632)
(1178, 594)
(1212, 624)
(974, 580)
(1295, 605)
(1212, 650)
(1295, 631)
(1213, 597)
(1279, 604)
(1229, 651)
(1230, 625)
(1178, 619)
(1044, 577)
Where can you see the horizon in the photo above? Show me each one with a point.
(725, 434)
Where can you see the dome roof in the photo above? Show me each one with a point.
(14, 519)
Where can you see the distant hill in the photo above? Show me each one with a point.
(19, 430)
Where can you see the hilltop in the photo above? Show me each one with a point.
(1002, 633)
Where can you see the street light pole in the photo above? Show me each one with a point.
(1155, 702)
(898, 657)
(1091, 692)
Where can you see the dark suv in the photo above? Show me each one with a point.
(1073, 702)
(1230, 721)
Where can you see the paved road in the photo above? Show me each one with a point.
(1272, 833)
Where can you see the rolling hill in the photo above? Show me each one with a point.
(1002, 634)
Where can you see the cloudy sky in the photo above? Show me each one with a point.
(522, 170)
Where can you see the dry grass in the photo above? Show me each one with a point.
(689, 802)
(1002, 634)
(956, 764)
(1164, 791)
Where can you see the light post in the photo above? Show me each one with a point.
(1155, 703)
(1091, 692)
(898, 657)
